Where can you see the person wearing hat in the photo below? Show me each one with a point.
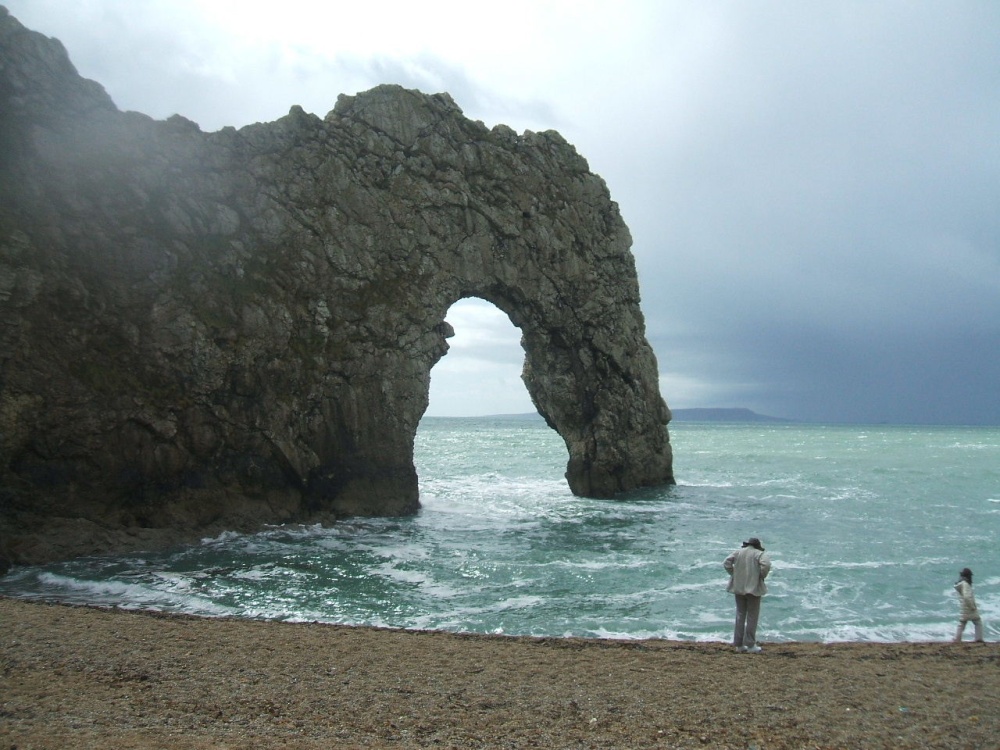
(747, 568)
(969, 609)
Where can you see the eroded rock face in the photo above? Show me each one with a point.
(208, 331)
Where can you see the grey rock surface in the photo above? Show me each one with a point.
(210, 331)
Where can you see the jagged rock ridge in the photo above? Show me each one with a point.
(207, 331)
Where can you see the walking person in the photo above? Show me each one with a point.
(747, 568)
(970, 612)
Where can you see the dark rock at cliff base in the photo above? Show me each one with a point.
(209, 331)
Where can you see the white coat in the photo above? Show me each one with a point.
(747, 568)
(969, 609)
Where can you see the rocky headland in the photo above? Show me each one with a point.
(208, 331)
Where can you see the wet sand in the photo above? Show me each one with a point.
(80, 677)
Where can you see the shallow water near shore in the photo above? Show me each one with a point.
(867, 526)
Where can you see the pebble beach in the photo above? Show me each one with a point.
(86, 677)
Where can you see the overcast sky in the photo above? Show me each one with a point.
(813, 188)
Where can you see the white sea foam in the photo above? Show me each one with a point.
(602, 564)
(625, 635)
(262, 574)
(128, 595)
(222, 538)
(711, 585)
(907, 633)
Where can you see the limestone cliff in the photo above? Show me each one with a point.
(208, 331)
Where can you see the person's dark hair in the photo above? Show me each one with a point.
(753, 542)
(966, 574)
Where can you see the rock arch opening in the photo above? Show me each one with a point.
(481, 373)
(480, 426)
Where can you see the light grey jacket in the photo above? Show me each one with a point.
(969, 609)
(747, 568)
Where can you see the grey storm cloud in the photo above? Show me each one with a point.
(812, 188)
(823, 237)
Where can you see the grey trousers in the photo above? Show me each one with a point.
(747, 613)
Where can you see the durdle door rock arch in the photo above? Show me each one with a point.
(209, 331)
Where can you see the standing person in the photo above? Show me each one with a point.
(969, 609)
(747, 568)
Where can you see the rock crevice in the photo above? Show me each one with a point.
(208, 331)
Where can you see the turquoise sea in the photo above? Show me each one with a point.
(867, 526)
